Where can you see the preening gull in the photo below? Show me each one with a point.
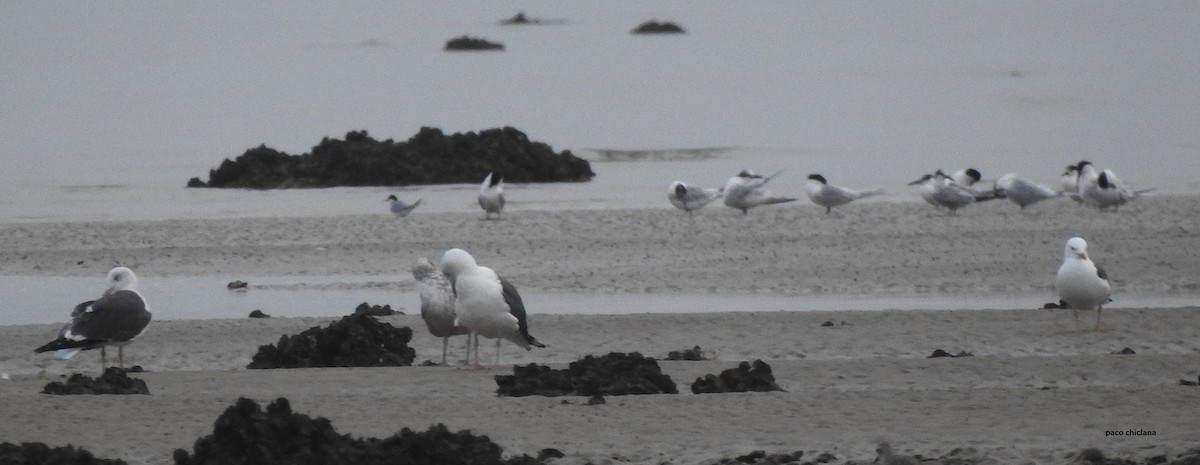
(491, 195)
(689, 198)
(1022, 191)
(486, 304)
(745, 191)
(1081, 283)
(399, 208)
(828, 195)
(114, 319)
(437, 304)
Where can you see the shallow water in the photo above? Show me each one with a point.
(49, 299)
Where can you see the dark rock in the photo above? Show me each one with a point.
(597, 400)
(259, 314)
(615, 374)
(1125, 351)
(692, 355)
(471, 44)
(747, 377)
(826, 458)
(353, 341)
(827, 324)
(375, 310)
(655, 27)
(237, 285)
(113, 381)
(549, 453)
(1184, 382)
(1054, 305)
(247, 434)
(37, 453)
(429, 157)
(941, 353)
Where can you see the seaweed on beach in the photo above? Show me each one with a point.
(747, 377)
(695, 354)
(615, 374)
(468, 43)
(245, 433)
(656, 27)
(37, 453)
(428, 157)
(375, 310)
(356, 340)
(113, 381)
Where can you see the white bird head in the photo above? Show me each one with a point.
(121, 279)
(1076, 248)
(455, 261)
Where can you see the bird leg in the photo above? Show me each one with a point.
(121, 357)
(497, 351)
(445, 347)
(103, 359)
(1099, 319)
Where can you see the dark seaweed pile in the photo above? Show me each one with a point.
(354, 341)
(695, 354)
(468, 43)
(655, 27)
(747, 377)
(375, 310)
(247, 434)
(113, 381)
(37, 453)
(429, 157)
(615, 374)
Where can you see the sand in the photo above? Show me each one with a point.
(1039, 387)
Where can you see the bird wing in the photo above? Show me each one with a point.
(120, 316)
(517, 308)
(1101, 273)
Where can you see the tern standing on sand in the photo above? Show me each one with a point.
(745, 191)
(828, 195)
(689, 198)
(491, 195)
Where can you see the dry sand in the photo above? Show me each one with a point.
(1039, 388)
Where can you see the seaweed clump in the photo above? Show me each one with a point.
(428, 157)
(747, 377)
(39, 453)
(615, 374)
(113, 381)
(356, 340)
(245, 433)
(655, 27)
(468, 44)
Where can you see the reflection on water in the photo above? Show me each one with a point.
(50, 299)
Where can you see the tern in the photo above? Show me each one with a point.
(1022, 191)
(689, 198)
(399, 208)
(827, 195)
(744, 191)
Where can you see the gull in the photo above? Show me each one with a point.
(1102, 189)
(1081, 283)
(945, 193)
(827, 195)
(689, 198)
(437, 304)
(399, 208)
(745, 191)
(115, 319)
(1022, 191)
(491, 195)
(486, 304)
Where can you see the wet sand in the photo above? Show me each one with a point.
(1039, 387)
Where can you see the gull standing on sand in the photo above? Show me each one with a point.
(112, 320)
(827, 195)
(437, 304)
(1022, 191)
(744, 191)
(486, 304)
(689, 198)
(399, 208)
(1102, 189)
(1080, 282)
(491, 195)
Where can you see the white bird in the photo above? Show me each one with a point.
(486, 304)
(689, 198)
(966, 177)
(491, 195)
(945, 193)
(1069, 181)
(1081, 283)
(115, 319)
(1102, 189)
(1022, 191)
(827, 195)
(437, 304)
(399, 208)
(745, 191)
